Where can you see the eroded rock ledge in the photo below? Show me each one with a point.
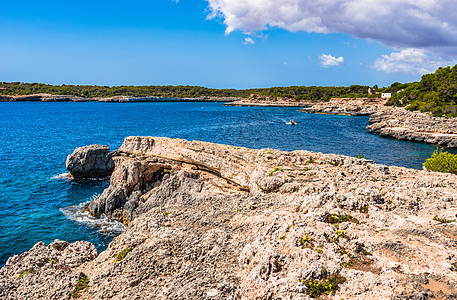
(210, 221)
(347, 106)
(414, 126)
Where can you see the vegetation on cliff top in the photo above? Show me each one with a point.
(442, 162)
(435, 93)
(312, 93)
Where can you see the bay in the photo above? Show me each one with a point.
(38, 204)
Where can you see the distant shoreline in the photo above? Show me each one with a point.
(245, 102)
(118, 99)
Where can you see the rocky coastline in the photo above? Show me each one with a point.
(398, 123)
(122, 99)
(269, 103)
(347, 106)
(211, 221)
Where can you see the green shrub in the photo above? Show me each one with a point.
(122, 254)
(307, 242)
(436, 218)
(82, 284)
(30, 271)
(275, 170)
(329, 284)
(335, 219)
(442, 162)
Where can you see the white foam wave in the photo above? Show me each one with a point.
(102, 224)
(63, 176)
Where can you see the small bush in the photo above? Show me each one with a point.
(335, 219)
(82, 284)
(29, 271)
(123, 254)
(307, 242)
(364, 209)
(275, 170)
(342, 234)
(442, 162)
(360, 156)
(436, 218)
(325, 286)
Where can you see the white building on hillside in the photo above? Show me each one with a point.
(386, 95)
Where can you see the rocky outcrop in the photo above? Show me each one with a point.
(270, 103)
(347, 106)
(43, 98)
(70, 98)
(210, 221)
(93, 161)
(45, 272)
(414, 126)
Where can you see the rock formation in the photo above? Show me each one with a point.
(93, 161)
(43, 98)
(414, 126)
(45, 272)
(209, 221)
(347, 106)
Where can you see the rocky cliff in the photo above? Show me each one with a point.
(43, 98)
(209, 221)
(347, 106)
(414, 126)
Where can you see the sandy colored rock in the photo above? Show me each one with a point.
(93, 161)
(199, 230)
(414, 126)
(347, 106)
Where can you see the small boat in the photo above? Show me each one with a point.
(292, 122)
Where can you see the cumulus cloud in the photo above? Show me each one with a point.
(248, 41)
(410, 61)
(395, 23)
(328, 60)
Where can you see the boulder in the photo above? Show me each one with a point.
(93, 161)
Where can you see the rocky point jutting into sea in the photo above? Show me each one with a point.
(399, 123)
(211, 221)
(393, 122)
(347, 106)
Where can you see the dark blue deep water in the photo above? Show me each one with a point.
(38, 205)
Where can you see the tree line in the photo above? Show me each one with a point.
(311, 93)
(435, 93)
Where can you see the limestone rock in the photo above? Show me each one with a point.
(208, 221)
(347, 106)
(45, 272)
(414, 126)
(93, 161)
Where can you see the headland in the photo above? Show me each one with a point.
(211, 221)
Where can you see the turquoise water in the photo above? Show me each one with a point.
(38, 204)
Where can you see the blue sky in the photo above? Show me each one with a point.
(218, 43)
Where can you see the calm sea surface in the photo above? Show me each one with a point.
(38, 204)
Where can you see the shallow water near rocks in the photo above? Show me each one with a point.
(40, 204)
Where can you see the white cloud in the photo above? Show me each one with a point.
(328, 60)
(410, 61)
(395, 23)
(248, 41)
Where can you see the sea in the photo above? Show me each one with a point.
(39, 203)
